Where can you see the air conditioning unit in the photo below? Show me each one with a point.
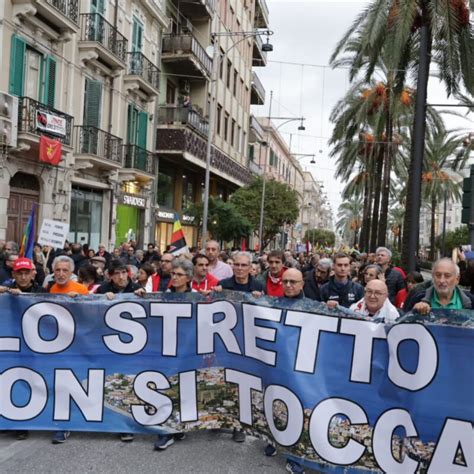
(9, 119)
(185, 86)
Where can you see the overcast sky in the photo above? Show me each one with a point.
(306, 33)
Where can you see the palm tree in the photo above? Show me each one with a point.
(365, 142)
(440, 179)
(395, 220)
(349, 218)
(407, 34)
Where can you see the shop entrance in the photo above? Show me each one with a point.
(128, 224)
(24, 192)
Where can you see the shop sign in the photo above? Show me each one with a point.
(131, 200)
(50, 123)
(187, 219)
(167, 215)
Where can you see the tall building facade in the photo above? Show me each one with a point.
(125, 87)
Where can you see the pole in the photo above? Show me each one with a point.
(412, 221)
(210, 136)
(443, 244)
(262, 203)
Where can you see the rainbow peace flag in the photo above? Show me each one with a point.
(28, 240)
(178, 241)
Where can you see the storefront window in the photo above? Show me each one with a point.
(86, 217)
(188, 191)
(165, 187)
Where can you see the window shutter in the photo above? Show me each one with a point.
(93, 102)
(142, 129)
(17, 66)
(49, 89)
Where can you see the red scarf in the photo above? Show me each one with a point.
(274, 284)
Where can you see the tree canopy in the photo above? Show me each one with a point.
(280, 207)
(225, 222)
(321, 237)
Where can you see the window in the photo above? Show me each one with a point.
(226, 125)
(242, 90)
(165, 186)
(229, 73)
(188, 191)
(232, 133)
(219, 118)
(251, 152)
(238, 139)
(221, 66)
(137, 35)
(32, 74)
(236, 78)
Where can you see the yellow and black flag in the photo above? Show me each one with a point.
(178, 241)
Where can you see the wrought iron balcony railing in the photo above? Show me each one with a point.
(91, 140)
(94, 27)
(187, 44)
(139, 159)
(39, 119)
(140, 65)
(69, 8)
(185, 116)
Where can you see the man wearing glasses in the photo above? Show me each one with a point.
(242, 280)
(293, 283)
(165, 271)
(376, 304)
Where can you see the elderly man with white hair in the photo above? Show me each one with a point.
(444, 292)
(393, 276)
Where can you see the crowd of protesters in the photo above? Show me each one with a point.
(366, 284)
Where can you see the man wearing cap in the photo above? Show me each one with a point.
(23, 274)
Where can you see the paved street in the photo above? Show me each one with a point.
(204, 452)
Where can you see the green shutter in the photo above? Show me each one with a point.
(137, 35)
(49, 87)
(142, 129)
(17, 66)
(92, 104)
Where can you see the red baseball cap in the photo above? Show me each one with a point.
(23, 264)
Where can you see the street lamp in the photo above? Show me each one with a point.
(262, 203)
(303, 155)
(216, 61)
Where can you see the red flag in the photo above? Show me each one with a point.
(244, 245)
(49, 150)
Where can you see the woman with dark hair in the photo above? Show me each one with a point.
(90, 253)
(87, 275)
(144, 276)
(413, 278)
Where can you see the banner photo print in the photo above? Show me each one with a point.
(335, 393)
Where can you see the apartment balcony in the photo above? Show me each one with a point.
(97, 148)
(101, 43)
(257, 91)
(196, 9)
(185, 56)
(259, 57)
(138, 163)
(256, 132)
(182, 117)
(182, 136)
(261, 14)
(36, 119)
(142, 74)
(57, 15)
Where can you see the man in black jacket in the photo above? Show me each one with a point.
(340, 289)
(119, 281)
(316, 278)
(394, 280)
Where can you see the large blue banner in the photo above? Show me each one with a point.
(335, 392)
